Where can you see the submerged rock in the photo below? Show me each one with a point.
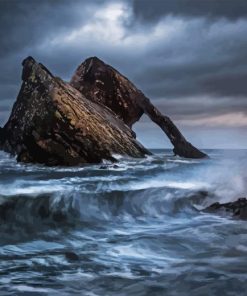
(71, 256)
(237, 209)
(104, 85)
(54, 124)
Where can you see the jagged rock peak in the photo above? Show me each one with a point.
(92, 66)
(95, 60)
(103, 84)
(27, 60)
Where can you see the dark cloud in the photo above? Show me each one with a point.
(233, 84)
(23, 23)
(190, 108)
(152, 10)
(25, 29)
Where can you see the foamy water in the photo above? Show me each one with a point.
(133, 229)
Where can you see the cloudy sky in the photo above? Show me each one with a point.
(188, 56)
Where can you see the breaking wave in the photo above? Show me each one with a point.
(135, 226)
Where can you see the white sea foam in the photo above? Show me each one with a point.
(117, 156)
(31, 190)
(182, 161)
(31, 289)
(132, 251)
(168, 184)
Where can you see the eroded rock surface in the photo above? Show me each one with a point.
(86, 121)
(103, 84)
(54, 124)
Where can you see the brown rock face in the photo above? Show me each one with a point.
(103, 84)
(54, 124)
(86, 121)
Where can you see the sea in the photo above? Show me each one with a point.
(137, 227)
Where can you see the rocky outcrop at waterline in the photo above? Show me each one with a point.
(54, 124)
(237, 209)
(85, 121)
(104, 85)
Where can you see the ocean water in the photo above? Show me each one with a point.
(136, 228)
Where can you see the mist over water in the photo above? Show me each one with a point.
(132, 229)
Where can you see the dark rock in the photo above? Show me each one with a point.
(103, 167)
(103, 84)
(54, 124)
(181, 146)
(44, 211)
(2, 137)
(86, 121)
(71, 256)
(59, 216)
(5, 209)
(237, 209)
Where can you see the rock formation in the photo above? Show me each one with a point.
(1, 136)
(54, 124)
(238, 209)
(104, 85)
(86, 121)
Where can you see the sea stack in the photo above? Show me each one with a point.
(85, 121)
(104, 85)
(54, 124)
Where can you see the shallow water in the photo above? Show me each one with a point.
(134, 229)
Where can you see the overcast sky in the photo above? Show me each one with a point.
(188, 56)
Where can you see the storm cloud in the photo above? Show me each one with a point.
(188, 56)
(190, 8)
